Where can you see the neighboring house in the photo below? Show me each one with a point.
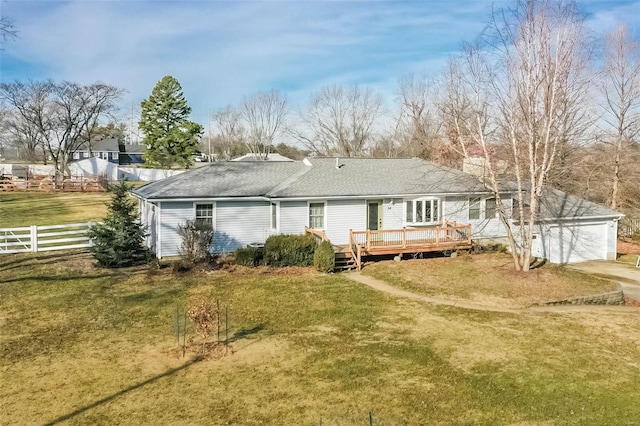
(388, 203)
(106, 149)
(271, 157)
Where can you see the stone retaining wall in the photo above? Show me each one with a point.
(615, 297)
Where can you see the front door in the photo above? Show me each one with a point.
(374, 215)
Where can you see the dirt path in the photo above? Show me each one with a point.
(394, 291)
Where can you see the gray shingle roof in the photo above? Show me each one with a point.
(367, 176)
(227, 179)
(353, 177)
(558, 204)
(101, 145)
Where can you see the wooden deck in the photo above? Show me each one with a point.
(450, 236)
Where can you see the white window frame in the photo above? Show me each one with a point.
(213, 211)
(76, 155)
(324, 214)
(432, 220)
(114, 155)
(274, 226)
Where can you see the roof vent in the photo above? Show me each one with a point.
(338, 165)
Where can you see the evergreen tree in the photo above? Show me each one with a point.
(118, 241)
(169, 135)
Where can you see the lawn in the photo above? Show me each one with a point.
(81, 345)
(487, 279)
(50, 208)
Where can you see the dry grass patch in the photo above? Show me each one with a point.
(487, 279)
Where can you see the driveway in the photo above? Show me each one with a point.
(627, 275)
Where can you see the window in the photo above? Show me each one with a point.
(478, 205)
(490, 209)
(76, 155)
(423, 211)
(114, 155)
(474, 209)
(316, 215)
(274, 215)
(204, 214)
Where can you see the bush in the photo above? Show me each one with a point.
(290, 250)
(196, 241)
(324, 259)
(249, 256)
(118, 240)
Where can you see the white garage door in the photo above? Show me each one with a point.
(572, 243)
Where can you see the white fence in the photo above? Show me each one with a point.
(44, 238)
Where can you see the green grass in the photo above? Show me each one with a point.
(50, 208)
(88, 345)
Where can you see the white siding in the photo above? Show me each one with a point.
(456, 209)
(239, 223)
(173, 214)
(293, 217)
(343, 215)
(392, 214)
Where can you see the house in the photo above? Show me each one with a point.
(112, 151)
(106, 149)
(367, 206)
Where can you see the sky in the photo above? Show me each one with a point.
(223, 51)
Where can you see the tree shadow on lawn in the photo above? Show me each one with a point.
(23, 260)
(241, 334)
(124, 391)
(54, 278)
(238, 335)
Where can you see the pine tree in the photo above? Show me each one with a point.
(169, 135)
(118, 241)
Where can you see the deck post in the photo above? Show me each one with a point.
(404, 237)
(34, 238)
(368, 239)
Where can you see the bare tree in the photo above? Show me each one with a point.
(7, 29)
(620, 88)
(231, 133)
(417, 128)
(528, 92)
(62, 115)
(263, 115)
(339, 121)
(25, 115)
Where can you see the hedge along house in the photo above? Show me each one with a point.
(363, 206)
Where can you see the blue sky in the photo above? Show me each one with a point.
(222, 51)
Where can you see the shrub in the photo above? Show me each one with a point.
(249, 256)
(290, 250)
(196, 241)
(324, 259)
(118, 240)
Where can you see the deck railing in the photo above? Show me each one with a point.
(447, 237)
(320, 235)
(409, 237)
(45, 238)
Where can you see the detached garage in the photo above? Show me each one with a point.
(572, 230)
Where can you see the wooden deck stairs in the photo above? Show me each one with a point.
(345, 262)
